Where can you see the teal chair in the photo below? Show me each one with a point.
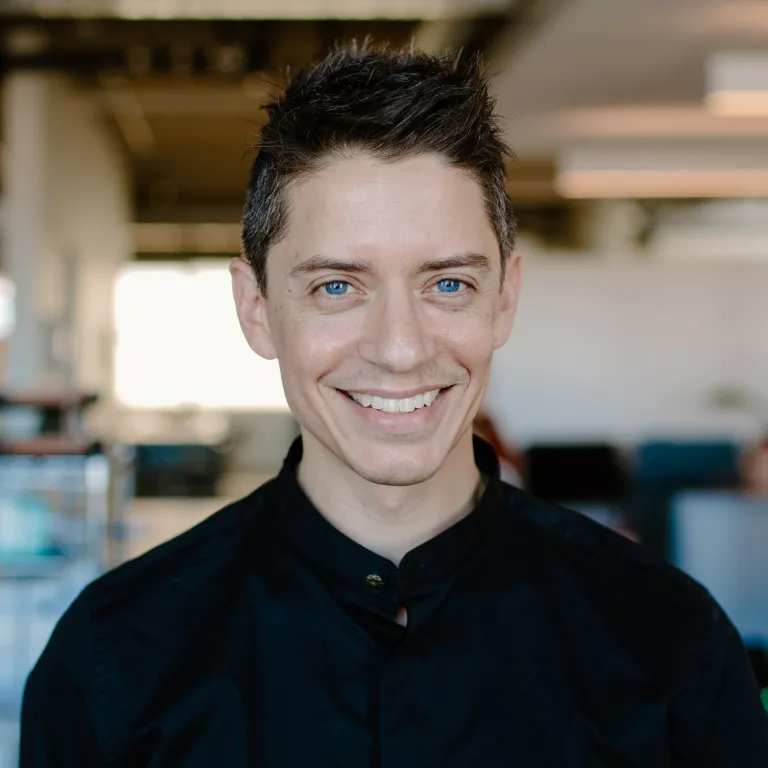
(663, 468)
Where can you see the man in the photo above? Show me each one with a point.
(387, 600)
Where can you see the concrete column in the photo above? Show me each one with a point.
(67, 213)
(26, 105)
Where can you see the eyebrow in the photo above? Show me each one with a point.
(319, 263)
(328, 264)
(460, 260)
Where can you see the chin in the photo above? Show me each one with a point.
(401, 466)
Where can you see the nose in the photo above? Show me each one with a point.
(396, 335)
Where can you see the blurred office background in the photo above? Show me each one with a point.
(635, 386)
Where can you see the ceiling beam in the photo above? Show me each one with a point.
(233, 100)
(440, 36)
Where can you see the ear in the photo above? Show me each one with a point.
(251, 309)
(510, 292)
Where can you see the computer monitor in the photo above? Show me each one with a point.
(576, 474)
(720, 538)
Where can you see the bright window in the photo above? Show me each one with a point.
(179, 343)
(7, 307)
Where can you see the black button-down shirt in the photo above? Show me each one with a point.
(265, 637)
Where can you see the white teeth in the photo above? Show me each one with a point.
(388, 405)
(430, 397)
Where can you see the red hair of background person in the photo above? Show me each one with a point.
(754, 469)
(485, 428)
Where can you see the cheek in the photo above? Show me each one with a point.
(311, 348)
(470, 339)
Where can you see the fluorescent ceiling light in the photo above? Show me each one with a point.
(659, 169)
(737, 84)
(262, 9)
(738, 103)
(661, 184)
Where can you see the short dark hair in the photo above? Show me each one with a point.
(391, 104)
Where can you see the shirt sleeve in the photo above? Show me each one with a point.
(726, 725)
(57, 727)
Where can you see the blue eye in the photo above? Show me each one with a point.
(449, 286)
(336, 288)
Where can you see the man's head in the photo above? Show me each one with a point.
(379, 237)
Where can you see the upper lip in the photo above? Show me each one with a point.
(404, 395)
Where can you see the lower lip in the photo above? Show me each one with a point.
(398, 422)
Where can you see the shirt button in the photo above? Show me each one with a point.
(374, 580)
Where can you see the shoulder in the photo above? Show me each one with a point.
(631, 619)
(128, 628)
(186, 576)
(210, 548)
(178, 587)
(606, 574)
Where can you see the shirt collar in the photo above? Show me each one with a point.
(342, 562)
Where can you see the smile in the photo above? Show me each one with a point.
(391, 405)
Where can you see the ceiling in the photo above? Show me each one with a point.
(184, 96)
(624, 69)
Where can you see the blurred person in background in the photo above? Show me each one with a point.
(754, 469)
(387, 600)
(510, 459)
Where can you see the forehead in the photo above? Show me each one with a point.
(362, 205)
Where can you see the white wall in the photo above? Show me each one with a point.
(623, 351)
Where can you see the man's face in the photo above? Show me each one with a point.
(383, 310)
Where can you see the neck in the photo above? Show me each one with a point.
(390, 520)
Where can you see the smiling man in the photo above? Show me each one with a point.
(387, 601)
